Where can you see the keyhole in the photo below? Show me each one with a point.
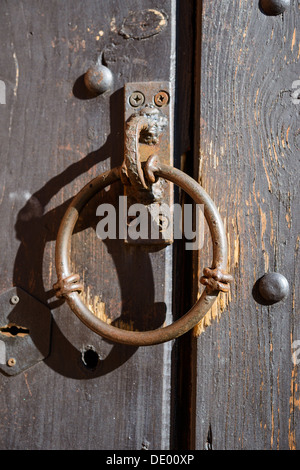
(90, 358)
(14, 330)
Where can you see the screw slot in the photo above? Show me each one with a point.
(161, 99)
(99, 78)
(137, 99)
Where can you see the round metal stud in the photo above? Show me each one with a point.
(273, 287)
(98, 78)
(274, 7)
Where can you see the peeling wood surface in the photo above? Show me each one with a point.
(246, 386)
(143, 24)
(54, 139)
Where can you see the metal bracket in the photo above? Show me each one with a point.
(152, 101)
(25, 329)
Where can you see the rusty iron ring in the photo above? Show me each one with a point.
(209, 295)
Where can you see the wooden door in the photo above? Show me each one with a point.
(231, 382)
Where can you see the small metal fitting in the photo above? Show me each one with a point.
(14, 300)
(11, 362)
(137, 99)
(161, 98)
(99, 78)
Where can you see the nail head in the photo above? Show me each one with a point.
(273, 287)
(98, 79)
(14, 299)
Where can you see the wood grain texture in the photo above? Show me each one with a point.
(54, 139)
(247, 158)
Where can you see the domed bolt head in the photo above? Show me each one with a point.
(98, 79)
(273, 287)
(274, 7)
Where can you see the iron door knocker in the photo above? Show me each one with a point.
(143, 178)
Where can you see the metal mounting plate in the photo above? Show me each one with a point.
(150, 91)
(25, 329)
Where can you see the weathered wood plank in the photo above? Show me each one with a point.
(53, 141)
(247, 154)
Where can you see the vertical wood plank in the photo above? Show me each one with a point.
(247, 159)
(54, 139)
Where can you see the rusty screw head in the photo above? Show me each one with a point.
(161, 98)
(14, 299)
(11, 362)
(137, 99)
